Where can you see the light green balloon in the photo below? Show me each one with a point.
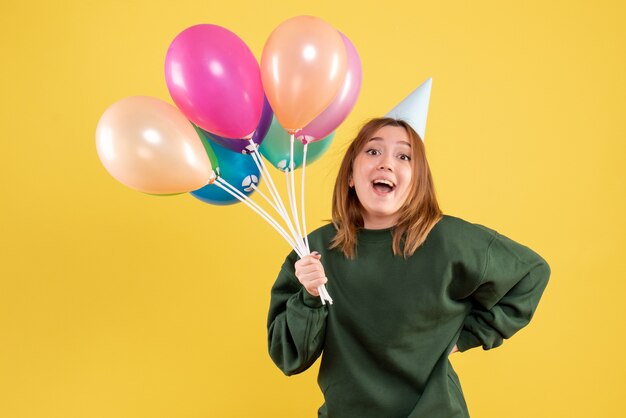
(276, 148)
(207, 147)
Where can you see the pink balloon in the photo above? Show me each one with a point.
(215, 80)
(339, 109)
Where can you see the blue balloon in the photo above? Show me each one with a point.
(237, 169)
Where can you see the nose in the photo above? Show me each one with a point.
(385, 165)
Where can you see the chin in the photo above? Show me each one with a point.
(382, 215)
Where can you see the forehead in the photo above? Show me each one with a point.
(391, 135)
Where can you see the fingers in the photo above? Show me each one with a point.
(309, 264)
(309, 259)
(313, 285)
(307, 269)
(310, 273)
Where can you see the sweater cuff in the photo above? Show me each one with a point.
(467, 340)
(310, 300)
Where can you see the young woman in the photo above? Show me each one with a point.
(410, 286)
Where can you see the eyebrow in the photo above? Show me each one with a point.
(377, 138)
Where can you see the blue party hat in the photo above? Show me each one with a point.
(414, 108)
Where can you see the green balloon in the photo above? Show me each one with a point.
(276, 148)
(207, 147)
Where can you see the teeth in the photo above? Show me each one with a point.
(382, 181)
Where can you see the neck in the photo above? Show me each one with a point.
(370, 222)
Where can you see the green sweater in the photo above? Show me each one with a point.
(387, 337)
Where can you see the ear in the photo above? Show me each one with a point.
(350, 182)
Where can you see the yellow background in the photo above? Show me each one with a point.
(118, 304)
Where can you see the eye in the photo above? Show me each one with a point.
(404, 157)
(372, 151)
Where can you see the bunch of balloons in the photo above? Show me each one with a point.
(230, 110)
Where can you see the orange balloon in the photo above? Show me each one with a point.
(148, 145)
(303, 65)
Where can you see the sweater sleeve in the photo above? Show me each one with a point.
(512, 283)
(296, 322)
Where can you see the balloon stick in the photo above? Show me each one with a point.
(264, 196)
(322, 289)
(275, 194)
(297, 241)
(227, 187)
(291, 191)
(306, 237)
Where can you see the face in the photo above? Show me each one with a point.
(381, 176)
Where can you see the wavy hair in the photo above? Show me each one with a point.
(419, 213)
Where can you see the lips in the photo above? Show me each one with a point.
(383, 186)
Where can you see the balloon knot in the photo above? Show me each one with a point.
(212, 178)
(293, 131)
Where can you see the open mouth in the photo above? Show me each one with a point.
(383, 186)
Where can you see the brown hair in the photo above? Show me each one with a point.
(419, 213)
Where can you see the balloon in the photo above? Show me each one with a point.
(207, 148)
(303, 66)
(148, 145)
(276, 148)
(237, 169)
(243, 145)
(214, 79)
(330, 119)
